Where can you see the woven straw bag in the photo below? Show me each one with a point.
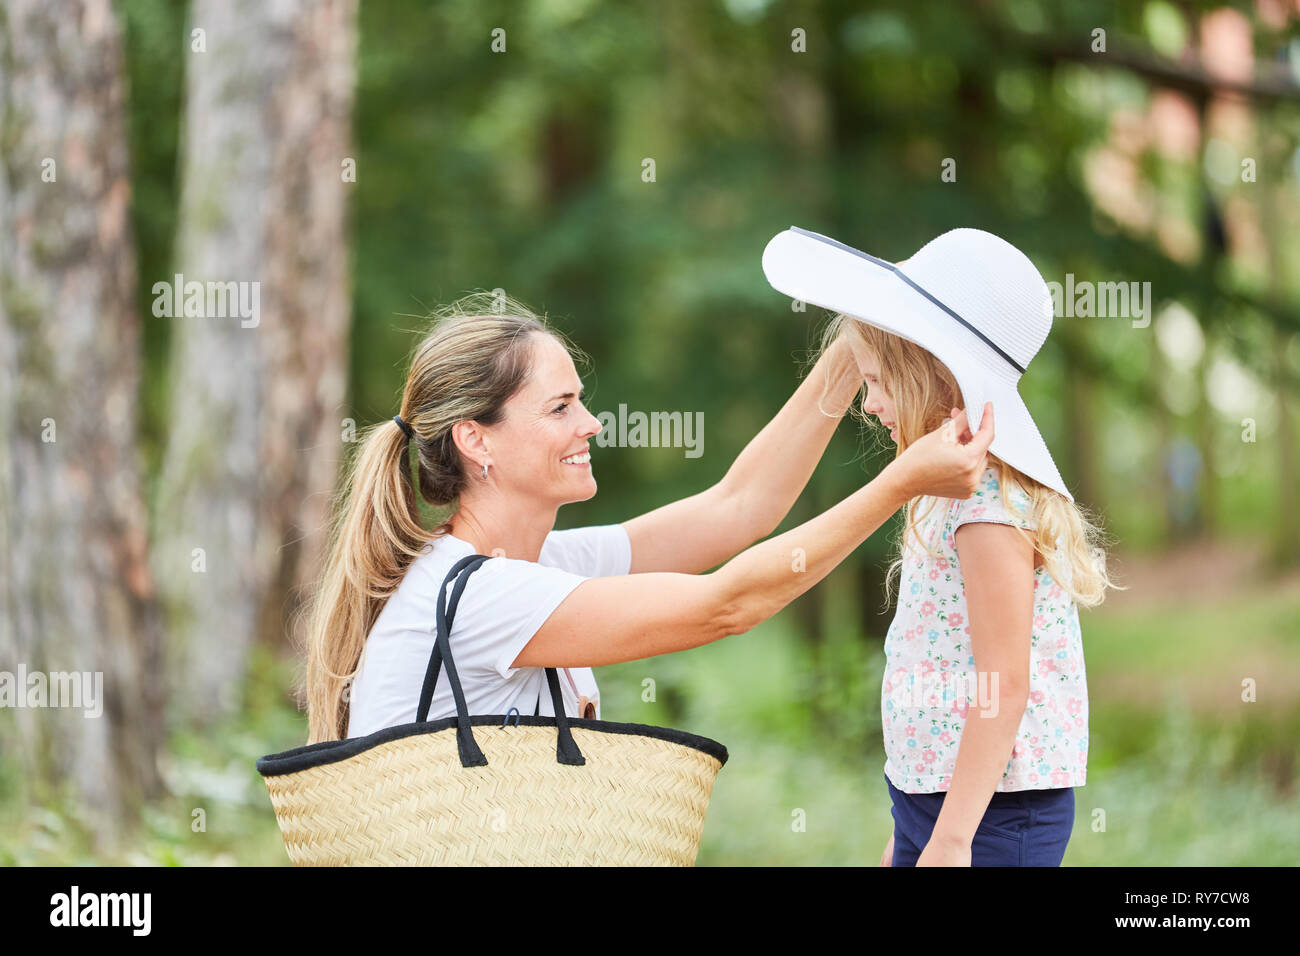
(494, 790)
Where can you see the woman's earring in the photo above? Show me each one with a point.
(484, 471)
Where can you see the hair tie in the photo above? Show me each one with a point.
(410, 433)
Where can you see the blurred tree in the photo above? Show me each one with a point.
(256, 400)
(75, 590)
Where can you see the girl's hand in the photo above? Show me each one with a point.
(944, 853)
(948, 462)
(887, 858)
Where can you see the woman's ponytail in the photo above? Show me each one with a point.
(377, 536)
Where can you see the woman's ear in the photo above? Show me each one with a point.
(471, 441)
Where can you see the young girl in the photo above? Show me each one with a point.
(984, 702)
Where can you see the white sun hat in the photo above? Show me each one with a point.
(971, 299)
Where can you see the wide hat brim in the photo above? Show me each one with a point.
(828, 274)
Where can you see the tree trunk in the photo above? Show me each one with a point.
(75, 590)
(256, 393)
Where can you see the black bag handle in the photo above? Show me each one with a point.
(566, 748)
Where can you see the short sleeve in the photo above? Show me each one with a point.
(596, 551)
(503, 605)
(989, 504)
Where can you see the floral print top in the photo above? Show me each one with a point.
(930, 681)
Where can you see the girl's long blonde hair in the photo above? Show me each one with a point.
(477, 355)
(924, 391)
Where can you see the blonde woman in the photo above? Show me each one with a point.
(987, 623)
(493, 410)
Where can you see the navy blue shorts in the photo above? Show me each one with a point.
(1020, 827)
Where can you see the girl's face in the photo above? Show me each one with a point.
(876, 401)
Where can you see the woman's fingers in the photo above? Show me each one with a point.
(960, 425)
(984, 437)
(949, 462)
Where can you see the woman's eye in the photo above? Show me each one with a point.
(559, 408)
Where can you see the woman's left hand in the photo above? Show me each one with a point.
(944, 853)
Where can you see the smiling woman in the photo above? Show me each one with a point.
(495, 409)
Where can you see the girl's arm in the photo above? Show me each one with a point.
(634, 616)
(997, 566)
(757, 492)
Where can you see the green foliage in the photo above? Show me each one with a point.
(524, 170)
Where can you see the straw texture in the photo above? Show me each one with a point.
(638, 801)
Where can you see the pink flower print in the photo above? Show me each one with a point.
(1033, 778)
(1038, 753)
(910, 730)
(920, 768)
(929, 756)
(927, 609)
(1036, 696)
(1033, 740)
(934, 574)
(955, 620)
(927, 666)
(945, 737)
(1055, 592)
(1046, 667)
(943, 783)
(1074, 706)
(1018, 750)
(943, 664)
(1040, 622)
(941, 564)
(1078, 722)
(959, 707)
(1060, 779)
(977, 512)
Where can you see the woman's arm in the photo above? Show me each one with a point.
(757, 492)
(997, 566)
(634, 616)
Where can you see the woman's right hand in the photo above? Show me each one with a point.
(948, 462)
(887, 858)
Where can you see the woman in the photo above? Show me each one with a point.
(494, 407)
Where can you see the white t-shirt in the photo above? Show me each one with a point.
(504, 603)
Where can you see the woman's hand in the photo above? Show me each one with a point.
(948, 462)
(887, 858)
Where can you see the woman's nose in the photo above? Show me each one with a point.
(593, 426)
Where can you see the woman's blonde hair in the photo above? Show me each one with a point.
(924, 392)
(477, 355)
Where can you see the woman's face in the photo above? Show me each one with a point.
(541, 448)
(876, 401)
